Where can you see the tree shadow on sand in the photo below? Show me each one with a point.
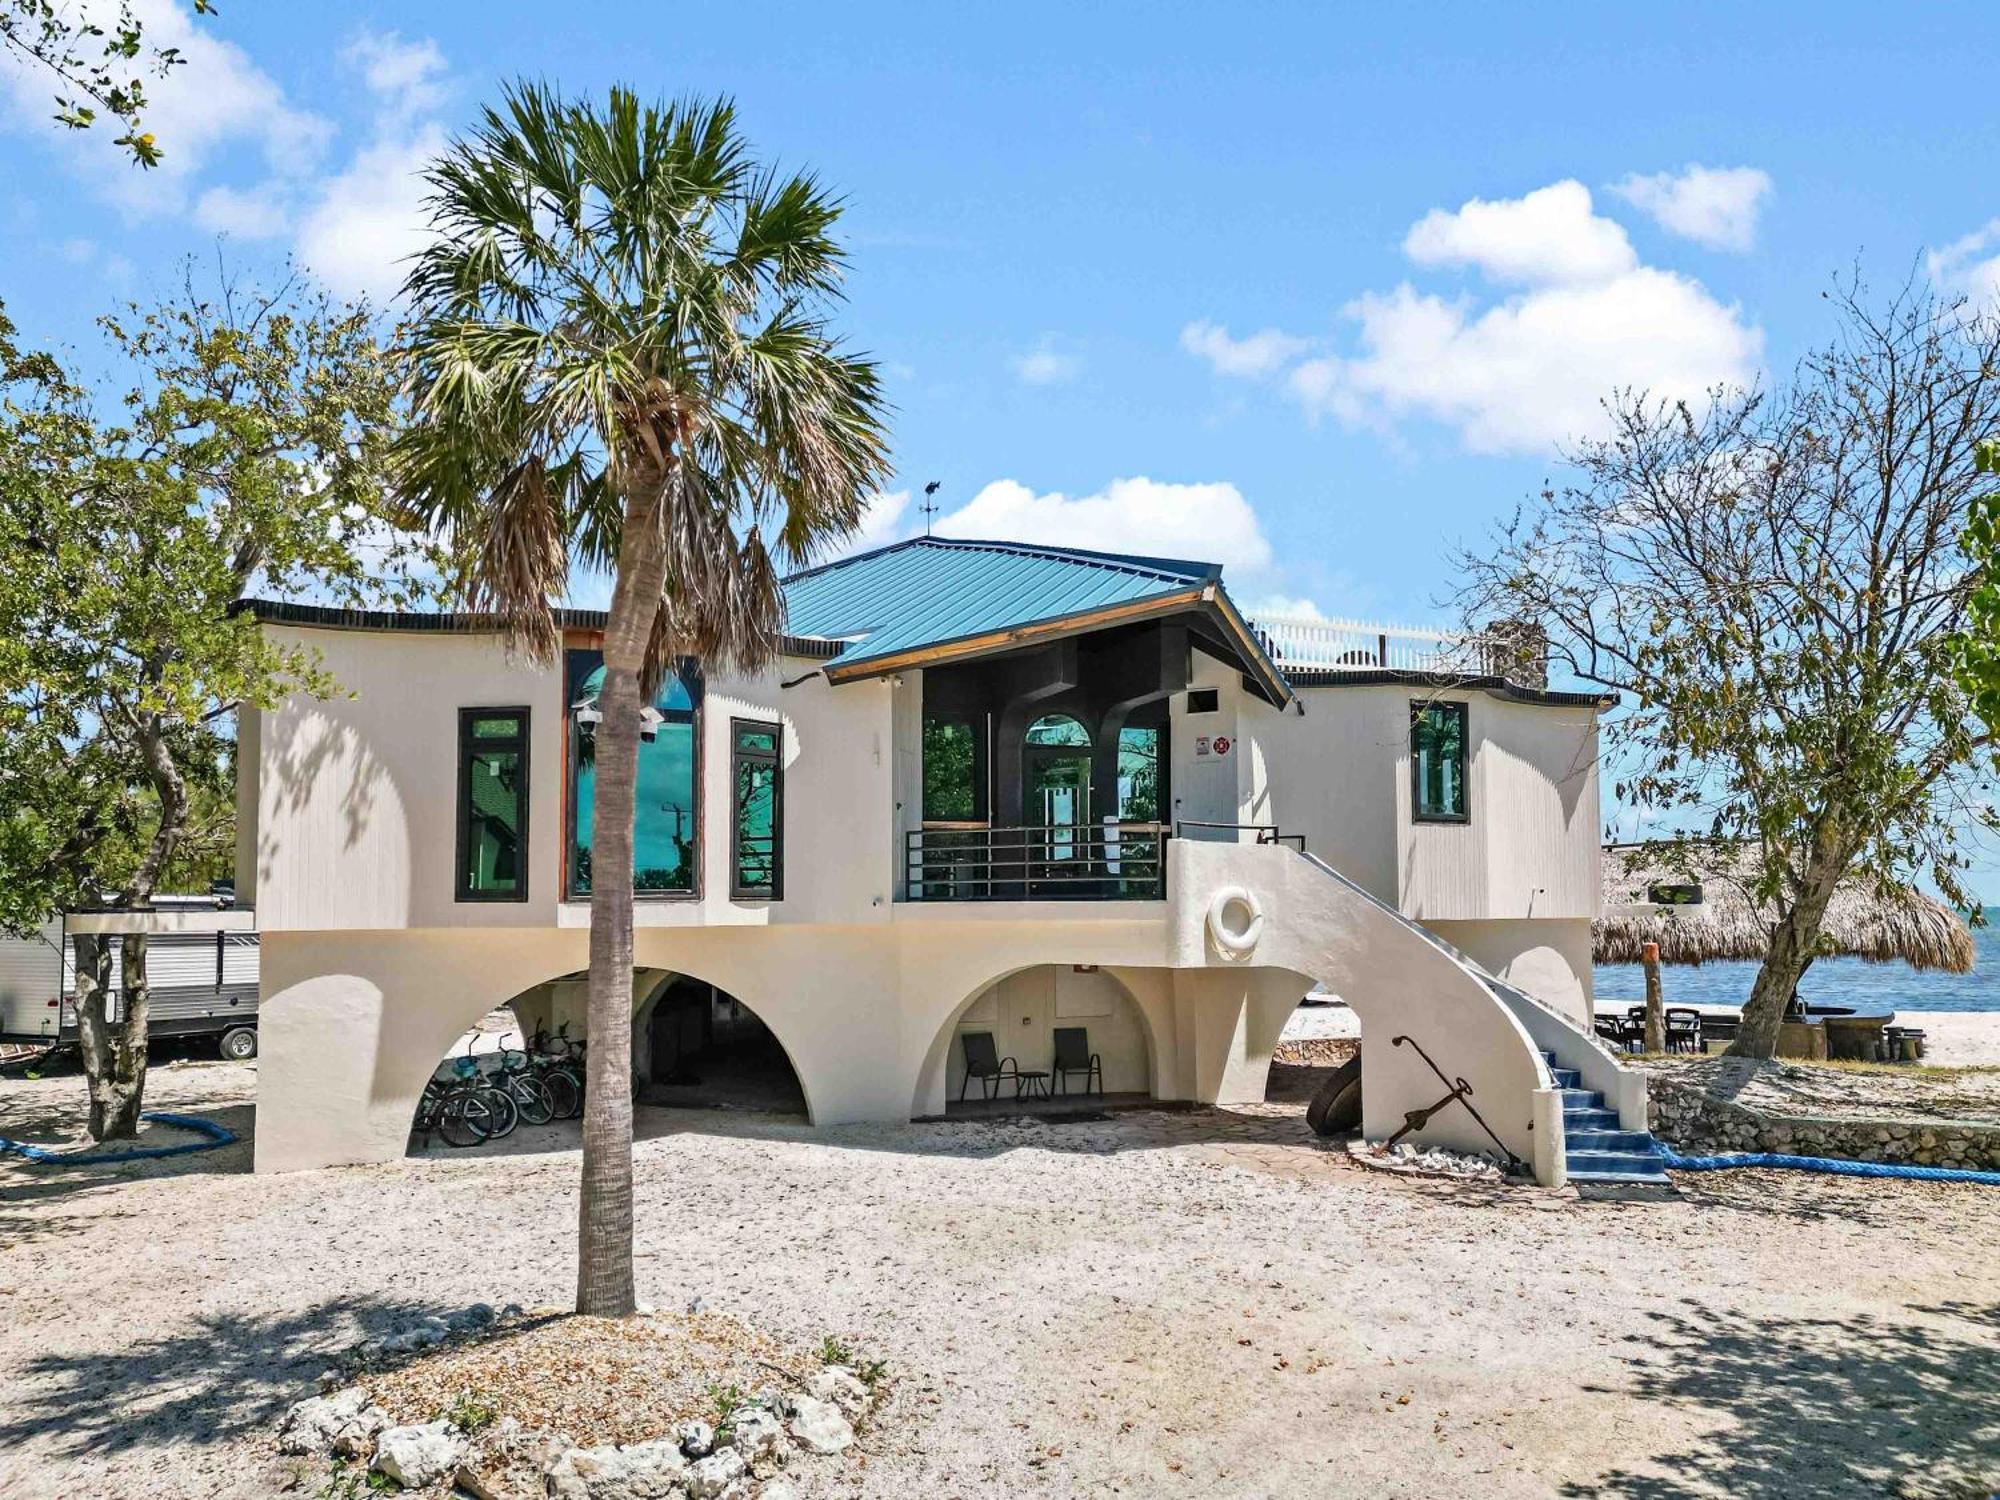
(216, 1378)
(1821, 1407)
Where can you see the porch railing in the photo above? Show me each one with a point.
(1356, 646)
(1089, 862)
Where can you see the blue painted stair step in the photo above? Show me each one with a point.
(1597, 1147)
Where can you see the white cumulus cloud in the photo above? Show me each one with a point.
(1713, 206)
(1203, 522)
(1047, 364)
(1254, 355)
(1531, 371)
(884, 518)
(361, 224)
(1284, 607)
(1577, 317)
(1550, 236)
(1969, 267)
(216, 102)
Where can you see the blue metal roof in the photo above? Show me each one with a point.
(932, 591)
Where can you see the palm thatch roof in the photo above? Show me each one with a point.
(1861, 922)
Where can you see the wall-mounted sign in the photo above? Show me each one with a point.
(1208, 746)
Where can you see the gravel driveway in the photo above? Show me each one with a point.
(1198, 1304)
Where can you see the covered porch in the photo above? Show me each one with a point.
(1047, 772)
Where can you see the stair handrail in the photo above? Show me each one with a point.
(1471, 969)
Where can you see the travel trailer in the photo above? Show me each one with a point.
(201, 970)
(990, 793)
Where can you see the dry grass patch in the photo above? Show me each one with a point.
(597, 1380)
(1843, 1090)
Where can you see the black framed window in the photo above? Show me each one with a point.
(1438, 754)
(954, 769)
(492, 805)
(757, 809)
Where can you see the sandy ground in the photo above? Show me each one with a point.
(1194, 1303)
(1957, 1038)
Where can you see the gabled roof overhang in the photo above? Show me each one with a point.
(1205, 599)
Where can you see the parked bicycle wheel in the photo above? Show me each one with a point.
(506, 1114)
(565, 1098)
(465, 1116)
(532, 1096)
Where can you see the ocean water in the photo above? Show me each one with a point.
(1831, 981)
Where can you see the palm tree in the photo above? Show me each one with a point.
(619, 352)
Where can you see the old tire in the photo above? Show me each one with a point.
(238, 1044)
(1336, 1108)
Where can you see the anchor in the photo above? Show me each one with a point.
(1459, 1092)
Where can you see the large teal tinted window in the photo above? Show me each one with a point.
(492, 804)
(1437, 761)
(664, 831)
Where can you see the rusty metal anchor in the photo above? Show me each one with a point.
(1460, 1093)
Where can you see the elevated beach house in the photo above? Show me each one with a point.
(990, 792)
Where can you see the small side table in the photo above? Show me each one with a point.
(1031, 1085)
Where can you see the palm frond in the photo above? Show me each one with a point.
(620, 313)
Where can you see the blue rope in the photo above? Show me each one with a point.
(1830, 1165)
(218, 1135)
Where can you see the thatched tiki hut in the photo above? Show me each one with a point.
(1642, 899)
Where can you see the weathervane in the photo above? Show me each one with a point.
(930, 505)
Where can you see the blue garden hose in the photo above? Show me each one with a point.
(1832, 1166)
(218, 1135)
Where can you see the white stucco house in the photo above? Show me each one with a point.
(988, 788)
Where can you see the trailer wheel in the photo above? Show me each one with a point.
(1336, 1108)
(239, 1043)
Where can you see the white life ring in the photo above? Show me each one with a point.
(1231, 934)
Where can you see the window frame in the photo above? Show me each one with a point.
(978, 730)
(775, 891)
(689, 673)
(1419, 707)
(521, 744)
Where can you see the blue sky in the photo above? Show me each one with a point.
(1223, 250)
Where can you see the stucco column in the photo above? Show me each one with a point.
(1232, 1018)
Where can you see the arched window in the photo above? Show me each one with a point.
(1058, 729)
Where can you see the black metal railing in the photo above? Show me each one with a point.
(1091, 862)
(1265, 833)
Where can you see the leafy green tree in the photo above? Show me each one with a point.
(621, 351)
(98, 65)
(1978, 649)
(247, 453)
(1774, 583)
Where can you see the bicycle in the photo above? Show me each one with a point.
(561, 1064)
(459, 1109)
(519, 1077)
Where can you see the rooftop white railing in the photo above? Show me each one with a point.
(1322, 645)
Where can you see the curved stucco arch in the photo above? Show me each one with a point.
(352, 1025)
(928, 1095)
(663, 980)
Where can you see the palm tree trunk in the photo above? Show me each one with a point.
(604, 1241)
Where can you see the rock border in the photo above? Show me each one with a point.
(738, 1458)
(1696, 1122)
